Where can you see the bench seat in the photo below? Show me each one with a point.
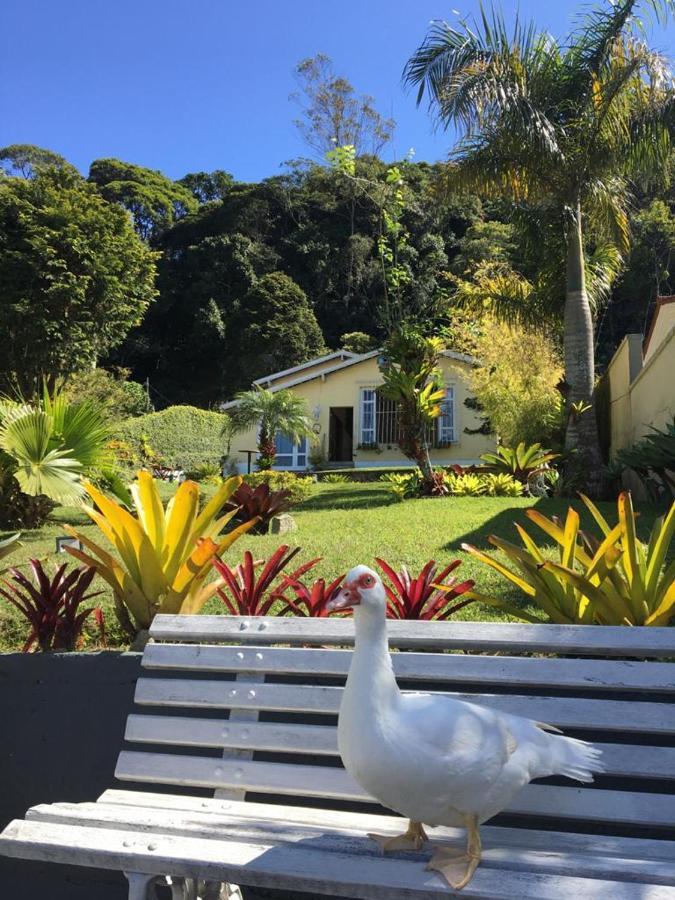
(246, 710)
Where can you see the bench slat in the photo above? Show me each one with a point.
(296, 866)
(323, 836)
(656, 810)
(565, 712)
(590, 674)
(619, 759)
(362, 823)
(592, 640)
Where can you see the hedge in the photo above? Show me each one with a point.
(184, 436)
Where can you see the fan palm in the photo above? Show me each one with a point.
(51, 443)
(560, 130)
(274, 412)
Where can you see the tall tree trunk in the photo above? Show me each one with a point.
(581, 434)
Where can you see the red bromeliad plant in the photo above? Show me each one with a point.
(258, 502)
(245, 593)
(52, 607)
(427, 596)
(309, 601)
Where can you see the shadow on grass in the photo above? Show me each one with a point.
(503, 526)
(349, 496)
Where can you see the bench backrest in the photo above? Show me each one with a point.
(249, 705)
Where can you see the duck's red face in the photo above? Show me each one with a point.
(351, 593)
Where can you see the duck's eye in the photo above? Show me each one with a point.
(369, 580)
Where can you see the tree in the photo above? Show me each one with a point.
(278, 327)
(516, 382)
(75, 278)
(154, 201)
(26, 160)
(333, 114)
(410, 376)
(46, 447)
(357, 342)
(207, 186)
(560, 129)
(110, 392)
(281, 412)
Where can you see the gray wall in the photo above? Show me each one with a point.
(61, 725)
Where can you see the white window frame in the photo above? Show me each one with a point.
(298, 457)
(447, 433)
(368, 404)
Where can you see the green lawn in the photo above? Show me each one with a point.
(347, 524)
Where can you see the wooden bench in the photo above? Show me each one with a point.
(224, 711)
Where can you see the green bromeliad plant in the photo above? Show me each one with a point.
(612, 580)
(522, 462)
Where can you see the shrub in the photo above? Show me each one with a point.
(111, 391)
(164, 556)
(653, 460)
(206, 473)
(309, 601)
(334, 478)
(522, 462)
(515, 383)
(616, 580)
(403, 487)
(467, 485)
(52, 606)
(258, 504)
(298, 487)
(19, 510)
(246, 594)
(186, 437)
(425, 596)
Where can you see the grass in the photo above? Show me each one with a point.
(347, 524)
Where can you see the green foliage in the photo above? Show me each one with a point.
(522, 462)
(185, 436)
(653, 459)
(502, 484)
(153, 200)
(51, 443)
(516, 382)
(205, 473)
(403, 487)
(27, 160)
(110, 391)
(358, 342)
(75, 278)
(334, 478)
(278, 327)
(298, 487)
(207, 186)
(273, 412)
(614, 580)
(471, 484)
(411, 379)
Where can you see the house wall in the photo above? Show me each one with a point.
(624, 367)
(652, 393)
(316, 366)
(663, 324)
(342, 388)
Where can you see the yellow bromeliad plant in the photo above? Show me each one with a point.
(163, 557)
(616, 580)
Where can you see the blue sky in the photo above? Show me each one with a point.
(204, 84)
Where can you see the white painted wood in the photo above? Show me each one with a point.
(301, 867)
(588, 862)
(588, 674)
(272, 816)
(565, 712)
(572, 802)
(237, 716)
(589, 640)
(619, 759)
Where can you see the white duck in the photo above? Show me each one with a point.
(433, 759)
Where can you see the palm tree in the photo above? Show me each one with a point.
(47, 445)
(278, 412)
(561, 130)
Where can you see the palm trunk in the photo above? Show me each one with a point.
(581, 433)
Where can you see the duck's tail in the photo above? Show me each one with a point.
(574, 759)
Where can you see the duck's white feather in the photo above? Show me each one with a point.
(435, 759)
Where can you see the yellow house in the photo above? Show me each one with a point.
(355, 426)
(640, 380)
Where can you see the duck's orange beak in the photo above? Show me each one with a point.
(347, 598)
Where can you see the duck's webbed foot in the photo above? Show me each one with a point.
(458, 866)
(413, 839)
